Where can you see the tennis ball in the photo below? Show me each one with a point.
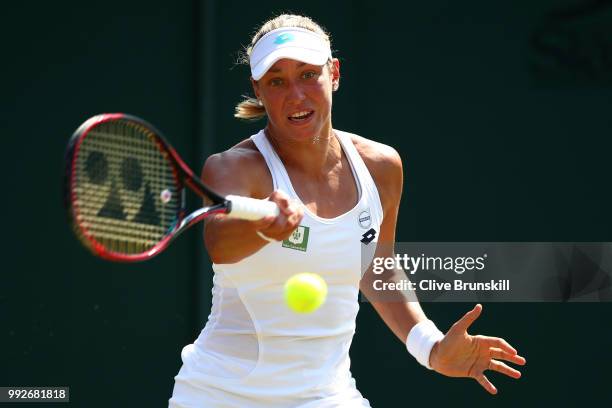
(305, 292)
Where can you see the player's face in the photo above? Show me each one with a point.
(298, 97)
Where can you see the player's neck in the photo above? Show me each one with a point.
(314, 155)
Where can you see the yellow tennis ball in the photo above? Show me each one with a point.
(305, 292)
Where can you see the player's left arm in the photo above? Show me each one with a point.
(458, 354)
(394, 307)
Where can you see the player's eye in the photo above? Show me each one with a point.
(276, 82)
(309, 75)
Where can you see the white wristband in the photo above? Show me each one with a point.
(421, 340)
(265, 237)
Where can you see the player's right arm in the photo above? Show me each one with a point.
(242, 170)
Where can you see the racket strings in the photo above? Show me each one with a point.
(127, 194)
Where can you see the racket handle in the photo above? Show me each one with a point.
(248, 208)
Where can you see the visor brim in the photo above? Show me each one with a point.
(309, 56)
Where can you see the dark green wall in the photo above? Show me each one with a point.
(111, 332)
(500, 111)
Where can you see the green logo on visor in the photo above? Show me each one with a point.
(283, 38)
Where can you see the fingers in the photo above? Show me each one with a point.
(263, 223)
(290, 208)
(486, 384)
(496, 342)
(289, 218)
(500, 354)
(283, 226)
(283, 201)
(504, 369)
(500, 368)
(470, 317)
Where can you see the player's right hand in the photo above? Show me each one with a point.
(281, 226)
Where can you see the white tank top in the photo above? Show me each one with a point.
(253, 344)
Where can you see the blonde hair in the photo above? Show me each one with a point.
(251, 108)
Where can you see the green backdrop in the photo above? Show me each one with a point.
(500, 111)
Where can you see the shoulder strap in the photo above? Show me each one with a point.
(363, 174)
(280, 178)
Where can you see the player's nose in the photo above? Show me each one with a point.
(295, 92)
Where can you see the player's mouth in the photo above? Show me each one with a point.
(301, 116)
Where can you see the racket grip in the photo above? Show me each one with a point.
(248, 208)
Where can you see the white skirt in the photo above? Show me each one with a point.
(188, 394)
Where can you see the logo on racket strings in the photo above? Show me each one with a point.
(117, 182)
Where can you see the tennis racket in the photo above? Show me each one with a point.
(125, 190)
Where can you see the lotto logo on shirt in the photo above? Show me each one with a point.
(298, 239)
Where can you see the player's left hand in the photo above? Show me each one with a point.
(460, 354)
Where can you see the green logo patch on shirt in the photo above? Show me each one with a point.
(298, 239)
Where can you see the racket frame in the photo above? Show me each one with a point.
(184, 176)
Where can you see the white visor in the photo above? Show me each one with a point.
(288, 42)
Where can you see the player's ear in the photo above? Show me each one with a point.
(255, 86)
(334, 67)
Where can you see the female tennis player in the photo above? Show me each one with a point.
(337, 192)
